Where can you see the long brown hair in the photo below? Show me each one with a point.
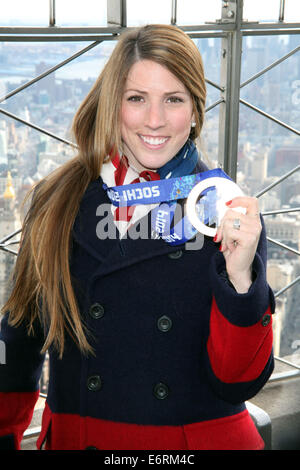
(42, 285)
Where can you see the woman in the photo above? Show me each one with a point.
(151, 346)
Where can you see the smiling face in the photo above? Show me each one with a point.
(156, 115)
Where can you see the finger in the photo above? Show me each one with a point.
(227, 224)
(235, 227)
(251, 204)
(247, 223)
(252, 209)
(230, 236)
(222, 234)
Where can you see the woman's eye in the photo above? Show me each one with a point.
(174, 99)
(135, 98)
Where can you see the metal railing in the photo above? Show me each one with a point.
(231, 28)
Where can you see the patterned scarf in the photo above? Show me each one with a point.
(122, 175)
(118, 172)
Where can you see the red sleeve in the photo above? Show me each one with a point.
(20, 372)
(238, 353)
(16, 414)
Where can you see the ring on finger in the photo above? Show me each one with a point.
(237, 224)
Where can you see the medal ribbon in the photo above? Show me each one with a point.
(168, 191)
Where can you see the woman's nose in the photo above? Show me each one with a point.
(155, 117)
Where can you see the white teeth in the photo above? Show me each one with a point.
(154, 140)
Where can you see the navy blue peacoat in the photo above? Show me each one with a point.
(177, 349)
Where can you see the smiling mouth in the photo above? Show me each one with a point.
(154, 141)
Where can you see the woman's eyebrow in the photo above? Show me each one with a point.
(143, 92)
(181, 92)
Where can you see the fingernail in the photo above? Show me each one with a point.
(228, 203)
(215, 238)
(220, 247)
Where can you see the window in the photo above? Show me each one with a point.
(268, 133)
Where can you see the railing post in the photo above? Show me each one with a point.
(52, 19)
(231, 52)
(174, 12)
(117, 13)
(281, 10)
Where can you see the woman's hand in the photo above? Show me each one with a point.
(239, 235)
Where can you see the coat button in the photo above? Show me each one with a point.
(94, 383)
(176, 254)
(161, 391)
(96, 311)
(164, 323)
(266, 319)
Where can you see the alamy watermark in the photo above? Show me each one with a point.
(148, 227)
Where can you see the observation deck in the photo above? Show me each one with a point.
(251, 131)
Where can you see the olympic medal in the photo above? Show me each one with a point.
(224, 190)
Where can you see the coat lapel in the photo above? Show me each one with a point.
(85, 227)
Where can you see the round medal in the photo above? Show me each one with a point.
(211, 207)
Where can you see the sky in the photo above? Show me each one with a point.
(33, 12)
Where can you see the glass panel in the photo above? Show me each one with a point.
(292, 11)
(24, 13)
(145, 12)
(210, 51)
(50, 103)
(266, 152)
(16, 64)
(195, 12)
(277, 91)
(81, 12)
(257, 10)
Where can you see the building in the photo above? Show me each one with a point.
(285, 229)
(3, 143)
(9, 223)
(279, 275)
